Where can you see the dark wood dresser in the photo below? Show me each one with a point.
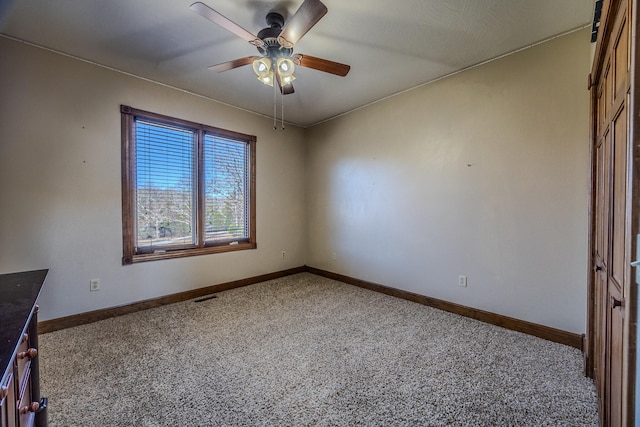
(20, 401)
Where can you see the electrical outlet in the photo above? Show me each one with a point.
(334, 256)
(284, 254)
(462, 281)
(94, 285)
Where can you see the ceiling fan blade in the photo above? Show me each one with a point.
(321, 64)
(309, 13)
(230, 65)
(286, 89)
(215, 17)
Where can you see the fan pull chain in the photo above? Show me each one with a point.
(282, 111)
(275, 126)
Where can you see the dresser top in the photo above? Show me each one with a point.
(18, 294)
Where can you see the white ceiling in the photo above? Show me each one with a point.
(391, 45)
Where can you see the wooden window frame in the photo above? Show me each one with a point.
(202, 247)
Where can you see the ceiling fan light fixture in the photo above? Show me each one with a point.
(285, 67)
(287, 79)
(262, 68)
(268, 80)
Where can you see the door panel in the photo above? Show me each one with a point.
(600, 363)
(619, 196)
(616, 347)
(621, 52)
(600, 309)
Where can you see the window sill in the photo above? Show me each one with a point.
(182, 253)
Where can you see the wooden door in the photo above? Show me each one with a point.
(611, 203)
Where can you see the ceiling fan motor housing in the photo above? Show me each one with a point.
(272, 48)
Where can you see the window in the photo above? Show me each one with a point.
(187, 189)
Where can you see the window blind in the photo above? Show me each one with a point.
(225, 181)
(165, 182)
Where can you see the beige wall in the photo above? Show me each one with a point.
(483, 174)
(60, 183)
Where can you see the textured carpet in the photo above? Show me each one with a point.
(304, 350)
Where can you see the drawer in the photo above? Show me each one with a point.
(23, 360)
(26, 408)
(8, 401)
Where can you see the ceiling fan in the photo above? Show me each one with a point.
(275, 45)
